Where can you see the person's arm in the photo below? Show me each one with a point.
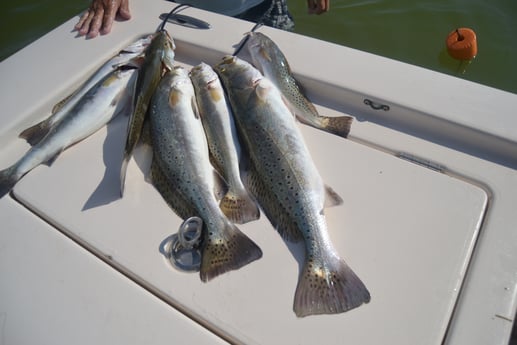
(318, 6)
(99, 17)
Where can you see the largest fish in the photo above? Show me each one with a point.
(159, 57)
(95, 108)
(285, 181)
(182, 173)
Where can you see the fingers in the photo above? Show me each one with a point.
(318, 6)
(100, 16)
(107, 18)
(123, 11)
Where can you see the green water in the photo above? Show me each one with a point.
(407, 30)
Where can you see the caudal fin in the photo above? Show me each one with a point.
(330, 289)
(7, 181)
(225, 251)
(239, 209)
(338, 125)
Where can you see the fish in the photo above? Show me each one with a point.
(269, 59)
(182, 173)
(223, 143)
(159, 57)
(106, 99)
(36, 132)
(284, 179)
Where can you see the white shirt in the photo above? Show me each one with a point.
(227, 7)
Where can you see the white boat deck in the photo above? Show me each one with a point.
(428, 220)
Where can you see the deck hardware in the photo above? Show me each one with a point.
(420, 161)
(187, 21)
(376, 106)
(185, 251)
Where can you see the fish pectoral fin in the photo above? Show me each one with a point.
(262, 89)
(265, 54)
(332, 198)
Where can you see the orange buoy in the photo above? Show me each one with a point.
(462, 44)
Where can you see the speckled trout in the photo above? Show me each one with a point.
(270, 60)
(223, 143)
(35, 133)
(94, 110)
(182, 173)
(159, 57)
(285, 181)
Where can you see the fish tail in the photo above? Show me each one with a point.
(328, 289)
(225, 251)
(339, 125)
(8, 179)
(34, 134)
(239, 208)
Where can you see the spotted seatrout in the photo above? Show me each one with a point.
(223, 143)
(270, 60)
(182, 173)
(285, 181)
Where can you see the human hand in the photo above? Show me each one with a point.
(99, 17)
(318, 6)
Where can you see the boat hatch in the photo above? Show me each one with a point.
(407, 229)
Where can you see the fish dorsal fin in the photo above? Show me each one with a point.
(332, 198)
(265, 54)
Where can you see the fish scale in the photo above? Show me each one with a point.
(285, 181)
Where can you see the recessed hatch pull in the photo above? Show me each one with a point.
(376, 106)
(421, 161)
(184, 250)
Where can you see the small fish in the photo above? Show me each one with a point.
(270, 60)
(182, 173)
(159, 57)
(223, 143)
(285, 181)
(35, 133)
(95, 109)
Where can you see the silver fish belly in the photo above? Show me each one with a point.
(96, 108)
(185, 177)
(289, 189)
(35, 133)
(223, 143)
(270, 60)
